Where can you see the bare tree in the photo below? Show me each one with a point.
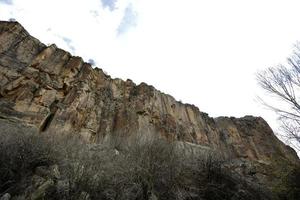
(283, 83)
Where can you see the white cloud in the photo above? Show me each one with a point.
(111, 4)
(69, 43)
(9, 2)
(128, 21)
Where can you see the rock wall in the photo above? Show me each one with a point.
(49, 90)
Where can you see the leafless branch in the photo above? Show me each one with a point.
(283, 83)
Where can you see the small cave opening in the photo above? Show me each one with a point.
(46, 122)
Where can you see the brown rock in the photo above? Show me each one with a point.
(51, 91)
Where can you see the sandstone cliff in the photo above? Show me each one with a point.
(49, 90)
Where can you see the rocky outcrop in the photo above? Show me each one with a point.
(49, 90)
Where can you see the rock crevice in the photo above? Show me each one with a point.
(50, 90)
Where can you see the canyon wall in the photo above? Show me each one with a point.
(48, 90)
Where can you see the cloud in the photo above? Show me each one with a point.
(68, 42)
(94, 13)
(111, 4)
(9, 2)
(128, 21)
(92, 61)
(63, 42)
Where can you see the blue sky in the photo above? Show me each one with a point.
(128, 21)
(111, 4)
(201, 52)
(9, 2)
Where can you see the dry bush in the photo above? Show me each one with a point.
(119, 169)
(155, 168)
(20, 154)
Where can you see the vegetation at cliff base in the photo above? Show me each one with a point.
(65, 167)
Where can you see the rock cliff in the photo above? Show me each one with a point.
(48, 90)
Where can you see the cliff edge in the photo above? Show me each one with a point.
(48, 90)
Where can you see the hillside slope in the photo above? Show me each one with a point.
(48, 90)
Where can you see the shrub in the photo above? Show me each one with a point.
(288, 187)
(132, 168)
(20, 154)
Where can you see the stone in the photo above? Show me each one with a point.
(6, 196)
(44, 89)
(37, 181)
(54, 171)
(42, 171)
(84, 196)
(63, 188)
(153, 196)
(48, 172)
(40, 192)
(19, 197)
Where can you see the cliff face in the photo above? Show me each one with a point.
(49, 90)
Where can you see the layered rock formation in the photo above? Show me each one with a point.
(49, 90)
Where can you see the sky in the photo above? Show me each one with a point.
(201, 52)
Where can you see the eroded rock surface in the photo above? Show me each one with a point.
(49, 90)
